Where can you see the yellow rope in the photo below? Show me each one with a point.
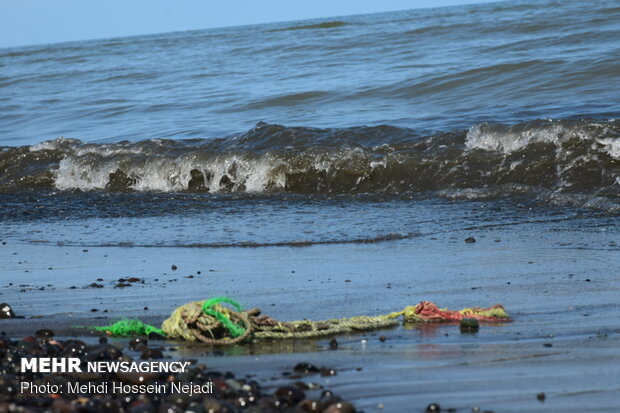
(191, 323)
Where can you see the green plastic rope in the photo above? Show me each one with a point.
(208, 308)
(129, 328)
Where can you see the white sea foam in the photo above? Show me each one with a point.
(53, 144)
(611, 146)
(481, 136)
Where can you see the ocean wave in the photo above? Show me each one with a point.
(560, 156)
(315, 26)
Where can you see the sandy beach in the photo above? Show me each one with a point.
(559, 289)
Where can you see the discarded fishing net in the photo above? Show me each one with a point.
(212, 322)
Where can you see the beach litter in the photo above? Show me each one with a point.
(212, 322)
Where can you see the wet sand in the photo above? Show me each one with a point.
(559, 282)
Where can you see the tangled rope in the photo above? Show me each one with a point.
(212, 322)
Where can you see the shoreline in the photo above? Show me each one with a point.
(562, 299)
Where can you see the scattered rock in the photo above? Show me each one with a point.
(306, 368)
(541, 397)
(325, 372)
(340, 407)
(333, 344)
(230, 394)
(151, 353)
(174, 267)
(6, 311)
(44, 333)
(136, 342)
(469, 240)
(469, 325)
(289, 395)
(433, 408)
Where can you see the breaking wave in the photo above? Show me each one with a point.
(578, 157)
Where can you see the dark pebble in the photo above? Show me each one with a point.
(44, 333)
(469, 325)
(333, 344)
(6, 311)
(289, 395)
(382, 339)
(469, 240)
(433, 408)
(325, 372)
(151, 353)
(340, 407)
(541, 397)
(306, 368)
(136, 342)
(307, 405)
(548, 344)
(174, 267)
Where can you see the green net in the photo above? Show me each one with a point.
(129, 328)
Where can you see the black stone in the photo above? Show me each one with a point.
(433, 408)
(333, 344)
(6, 311)
(44, 333)
(306, 368)
(469, 325)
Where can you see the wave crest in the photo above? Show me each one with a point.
(567, 156)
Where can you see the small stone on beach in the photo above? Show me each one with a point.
(469, 325)
(433, 408)
(333, 344)
(6, 311)
(44, 333)
(470, 240)
(306, 368)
